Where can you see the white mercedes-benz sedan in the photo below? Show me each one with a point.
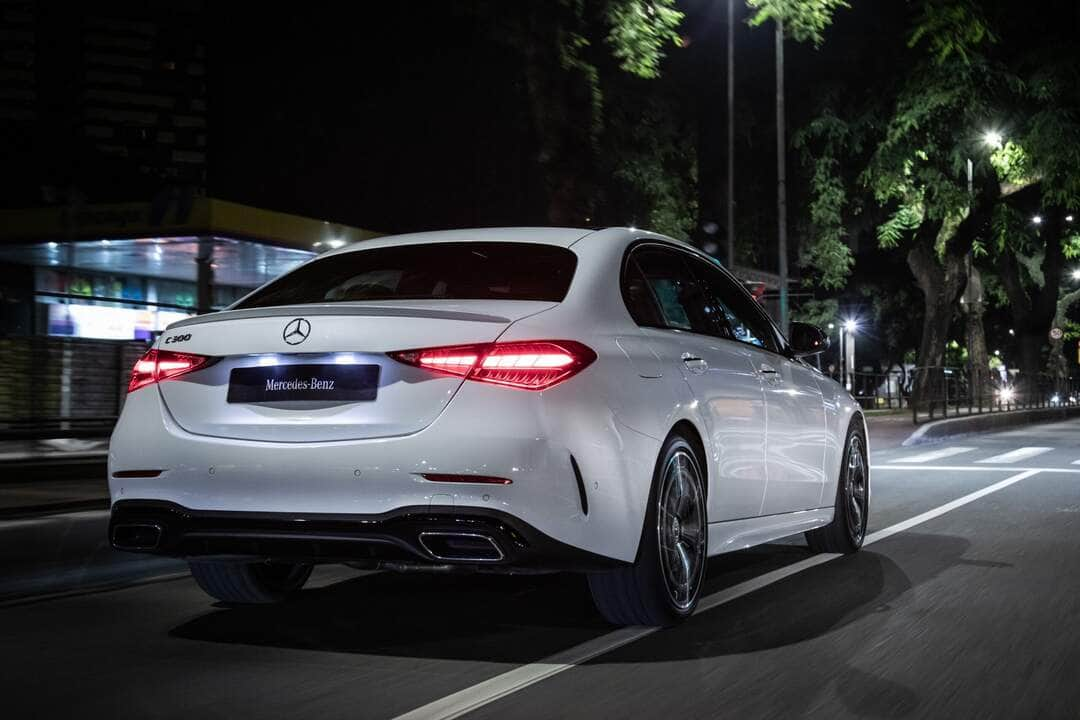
(610, 402)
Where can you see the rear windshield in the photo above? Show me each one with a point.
(435, 271)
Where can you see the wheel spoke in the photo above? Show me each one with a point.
(857, 515)
(684, 565)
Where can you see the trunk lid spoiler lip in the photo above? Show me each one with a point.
(340, 309)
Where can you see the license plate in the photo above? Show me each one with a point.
(336, 383)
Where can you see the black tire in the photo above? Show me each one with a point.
(652, 591)
(845, 534)
(249, 583)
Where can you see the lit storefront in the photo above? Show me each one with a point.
(110, 272)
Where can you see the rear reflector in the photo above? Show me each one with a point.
(136, 473)
(484, 479)
(528, 365)
(158, 365)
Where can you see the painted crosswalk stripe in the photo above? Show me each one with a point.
(1015, 455)
(933, 455)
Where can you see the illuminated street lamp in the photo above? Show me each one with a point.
(847, 351)
(1076, 274)
(993, 139)
(1037, 219)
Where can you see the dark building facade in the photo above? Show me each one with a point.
(102, 101)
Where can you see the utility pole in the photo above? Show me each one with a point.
(781, 177)
(731, 134)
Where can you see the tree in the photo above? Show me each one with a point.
(803, 20)
(649, 160)
(559, 44)
(912, 139)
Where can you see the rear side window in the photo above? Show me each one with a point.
(432, 271)
(680, 303)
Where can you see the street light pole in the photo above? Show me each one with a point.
(731, 134)
(781, 177)
(843, 359)
(850, 347)
(847, 349)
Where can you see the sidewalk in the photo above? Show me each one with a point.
(53, 450)
(52, 475)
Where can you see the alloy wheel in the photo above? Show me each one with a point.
(681, 531)
(855, 489)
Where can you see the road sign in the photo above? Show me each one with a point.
(1055, 333)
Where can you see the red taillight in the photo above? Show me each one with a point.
(528, 365)
(158, 365)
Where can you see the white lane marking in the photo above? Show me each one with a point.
(1015, 455)
(947, 507)
(1075, 462)
(486, 692)
(933, 455)
(972, 468)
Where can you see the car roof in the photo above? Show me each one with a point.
(564, 237)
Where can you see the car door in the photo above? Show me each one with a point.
(719, 373)
(795, 413)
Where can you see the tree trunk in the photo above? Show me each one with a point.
(941, 283)
(1057, 367)
(978, 357)
(1033, 311)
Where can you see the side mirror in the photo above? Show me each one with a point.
(807, 339)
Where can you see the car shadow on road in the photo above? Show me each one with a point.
(523, 619)
(813, 603)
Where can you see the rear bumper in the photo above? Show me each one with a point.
(421, 536)
(528, 438)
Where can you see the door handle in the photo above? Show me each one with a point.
(769, 373)
(694, 364)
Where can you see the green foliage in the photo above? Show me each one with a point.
(804, 20)
(1071, 246)
(1012, 164)
(652, 159)
(905, 219)
(817, 312)
(993, 292)
(1008, 227)
(824, 143)
(951, 29)
(639, 31)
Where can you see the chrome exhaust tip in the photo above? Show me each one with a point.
(461, 547)
(136, 537)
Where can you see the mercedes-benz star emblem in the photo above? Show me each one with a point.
(296, 331)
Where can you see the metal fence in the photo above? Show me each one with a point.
(936, 392)
(945, 391)
(63, 387)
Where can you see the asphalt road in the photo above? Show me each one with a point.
(965, 603)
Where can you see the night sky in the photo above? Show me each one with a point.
(408, 117)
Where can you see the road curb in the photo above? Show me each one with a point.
(968, 424)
